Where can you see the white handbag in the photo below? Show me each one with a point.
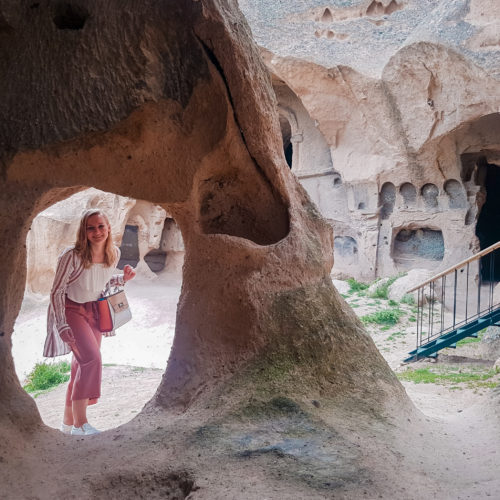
(114, 310)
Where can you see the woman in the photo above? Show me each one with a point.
(81, 275)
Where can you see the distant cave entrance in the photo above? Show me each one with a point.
(488, 222)
(129, 247)
(286, 134)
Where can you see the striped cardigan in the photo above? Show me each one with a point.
(69, 268)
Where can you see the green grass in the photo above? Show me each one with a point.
(394, 336)
(408, 299)
(46, 376)
(356, 286)
(472, 340)
(392, 303)
(383, 317)
(443, 376)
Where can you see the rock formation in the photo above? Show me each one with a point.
(270, 371)
(398, 100)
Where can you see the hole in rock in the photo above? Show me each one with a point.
(430, 193)
(487, 227)
(392, 7)
(469, 217)
(345, 251)
(286, 135)
(70, 17)
(375, 9)
(456, 194)
(418, 247)
(409, 193)
(134, 360)
(236, 202)
(327, 16)
(387, 197)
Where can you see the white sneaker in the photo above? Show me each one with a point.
(85, 430)
(66, 429)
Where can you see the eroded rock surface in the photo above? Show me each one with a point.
(169, 102)
(399, 101)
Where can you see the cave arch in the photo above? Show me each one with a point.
(175, 107)
(430, 193)
(289, 133)
(456, 194)
(387, 199)
(409, 193)
(145, 342)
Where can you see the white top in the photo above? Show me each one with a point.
(69, 269)
(91, 282)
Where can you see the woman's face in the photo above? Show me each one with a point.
(97, 229)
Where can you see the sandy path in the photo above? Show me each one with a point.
(125, 390)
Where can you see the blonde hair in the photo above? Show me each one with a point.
(82, 245)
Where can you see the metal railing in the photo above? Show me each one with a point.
(457, 296)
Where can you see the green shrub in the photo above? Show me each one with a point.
(356, 286)
(384, 317)
(47, 375)
(382, 291)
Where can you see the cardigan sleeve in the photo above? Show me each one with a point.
(65, 267)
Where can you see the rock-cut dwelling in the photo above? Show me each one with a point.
(395, 138)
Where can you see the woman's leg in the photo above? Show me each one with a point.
(79, 410)
(86, 366)
(68, 406)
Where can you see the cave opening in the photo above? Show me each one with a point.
(418, 247)
(151, 242)
(286, 134)
(488, 222)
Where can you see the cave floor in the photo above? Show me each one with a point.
(459, 456)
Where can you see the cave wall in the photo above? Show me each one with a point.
(169, 102)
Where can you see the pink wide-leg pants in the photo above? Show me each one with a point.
(86, 365)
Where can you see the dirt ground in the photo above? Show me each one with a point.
(463, 418)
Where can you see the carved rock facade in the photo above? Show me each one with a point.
(390, 119)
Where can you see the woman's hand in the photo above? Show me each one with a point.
(68, 337)
(128, 273)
